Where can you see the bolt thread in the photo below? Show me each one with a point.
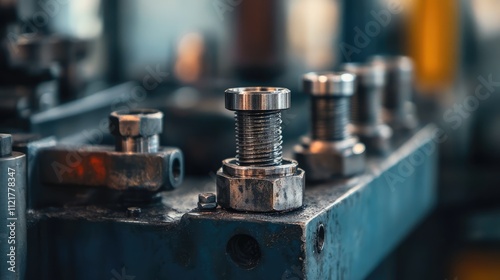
(366, 106)
(258, 138)
(398, 93)
(330, 117)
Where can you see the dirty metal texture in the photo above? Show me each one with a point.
(101, 166)
(322, 160)
(344, 229)
(261, 194)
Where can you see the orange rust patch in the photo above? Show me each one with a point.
(97, 163)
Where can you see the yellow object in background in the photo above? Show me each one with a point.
(477, 265)
(434, 43)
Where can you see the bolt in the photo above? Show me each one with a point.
(259, 179)
(366, 106)
(137, 130)
(398, 89)
(258, 123)
(133, 211)
(5, 145)
(331, 151)
(330, 104)
(207, 201)
(366, 109)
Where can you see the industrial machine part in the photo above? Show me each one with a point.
(136, 163)
(136, 131)
(366, 109)
(331, 150)
(207, 201)
(400, 112)
(259, 179)
(12, 211)
(345, 230)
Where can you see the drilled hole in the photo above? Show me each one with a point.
(244, 250)
(176, 169)
(320, 238)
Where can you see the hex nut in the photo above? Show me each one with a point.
(323, 160)
(377, 139)
(267, 194)
(136, 123)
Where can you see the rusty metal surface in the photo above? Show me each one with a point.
(101, 166)
(344, 229)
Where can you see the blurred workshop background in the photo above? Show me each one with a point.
(65, 64)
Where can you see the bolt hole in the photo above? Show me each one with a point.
(320, 238)
(176, 169)
(244, 250)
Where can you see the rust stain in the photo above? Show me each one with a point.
(97, 164)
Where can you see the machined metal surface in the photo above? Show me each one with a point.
(331, 150)
(100, 166)
(328, 84)
(366, 107)
(345, 229)
(261, 194)
(258, 179)
(398, 91)
(5, 145)
(257, 98)
(136, 130)
(13, 244)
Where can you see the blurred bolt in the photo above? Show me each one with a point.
(133, 211)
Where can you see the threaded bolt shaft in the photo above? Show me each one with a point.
(330, 104)
(366, 103)
(258, 123)
(330, 117)
(258, 138)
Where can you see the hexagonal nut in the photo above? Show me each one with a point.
(136, 123)
(331, 159)
(377, 138)
(269, 194)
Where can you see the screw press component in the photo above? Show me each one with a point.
(331, 150)
(259, 179)
(136, 163)
(12, 210)
(207, 201)
(366, 107)
(137, 130)
(400, 112)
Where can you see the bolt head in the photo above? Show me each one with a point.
(136, 123)
(329, 84)
(257, 98)
(206, 197)
(324, 160)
